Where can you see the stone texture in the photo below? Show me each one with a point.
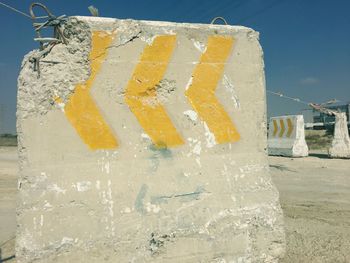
(197, 202)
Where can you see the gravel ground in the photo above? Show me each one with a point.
(314, 193)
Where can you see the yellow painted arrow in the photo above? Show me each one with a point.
(290, 127)
(141, 94)
(282, 128)
(201, 92)
(275, 127)
(81, 110)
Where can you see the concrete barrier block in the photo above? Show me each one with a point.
(145, 142)
(286, 136)
(341, 143)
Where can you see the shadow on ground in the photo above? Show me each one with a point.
(6, 259)
(7, 251)
(319, 155)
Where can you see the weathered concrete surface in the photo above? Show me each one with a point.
(287, 136)
(316, 230)
(159, 156)
(341, 142)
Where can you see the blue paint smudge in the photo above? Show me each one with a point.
(139, 207)
(159, 152)
(185, 197)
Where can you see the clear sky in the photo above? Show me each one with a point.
(306, 42)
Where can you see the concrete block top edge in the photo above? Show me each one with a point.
(96, 21)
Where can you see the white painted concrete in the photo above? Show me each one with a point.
(287, 143)
(341, 143)
(201, 201)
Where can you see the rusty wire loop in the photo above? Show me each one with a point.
(46, 43)
(218, 18)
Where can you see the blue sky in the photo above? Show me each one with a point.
(306, 42)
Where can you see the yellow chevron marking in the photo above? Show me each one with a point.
(275, 127)
(81, 109)
(201, 92)
(290, 127)
(141, 93)
(282, 128)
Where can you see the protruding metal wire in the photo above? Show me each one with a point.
(219, 18)
(319, 107)
(93, 10)
(46, 43)
(15, 10)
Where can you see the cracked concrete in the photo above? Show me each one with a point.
(71, 61)
(76, 204)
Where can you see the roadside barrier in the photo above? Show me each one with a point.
(340, 147)
(287, 136)
(145, 142)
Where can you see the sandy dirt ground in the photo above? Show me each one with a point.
(315, 198)
(8, 190)
(314, 193)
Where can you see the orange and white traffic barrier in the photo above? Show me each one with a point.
(286, 136)
(143, 142)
